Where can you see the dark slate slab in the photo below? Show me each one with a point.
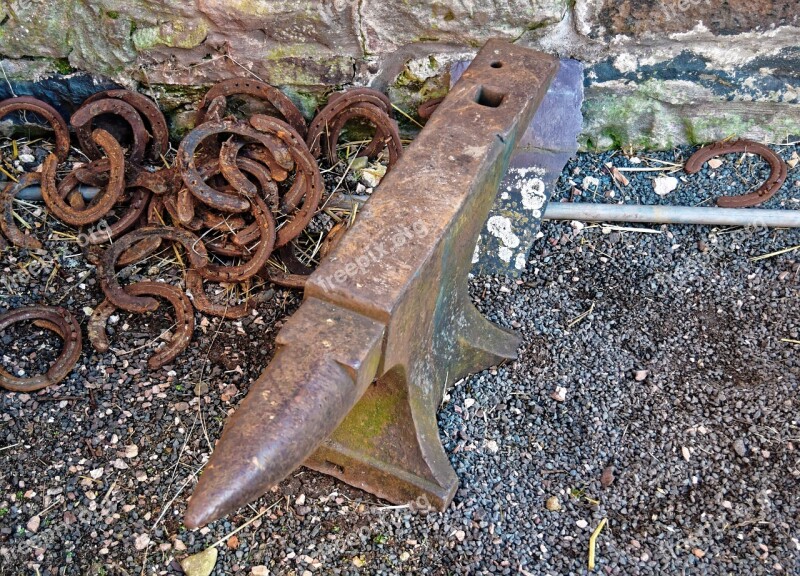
(543, 151)
(64, 92)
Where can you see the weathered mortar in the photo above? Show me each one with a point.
(659, 72)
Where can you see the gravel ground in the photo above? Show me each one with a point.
(661, 362)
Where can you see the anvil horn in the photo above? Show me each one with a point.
(306, 391)
(387, 323)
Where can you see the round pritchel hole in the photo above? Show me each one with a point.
(496, 64)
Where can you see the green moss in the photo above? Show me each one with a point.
(309, 71)
(691, 133)
(176, 34)
(702, 130)
(113, 14)
(537, 25)
(36, 28)
(306, 102)
(620, 120)
(645, 120)
(62, 66)
(616, 134)
(374, 416)
(303, 64)
(366, 423)
(291, 50)
(406, 78)
(425, 72)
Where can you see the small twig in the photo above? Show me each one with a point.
(53, 273)
(21, 220)
(10, 87)
(790, 341)
(60, 398)
(206, 362)
(407, 116)
(53, 505)
(11, 446)
(593, 541)
(105, 498)
(174, 248)
(246, 524)
(81, 278)
(652, 169)
(444, 386)
(772, 254)
(150, 342)
(581, 317)
(628, 229)
(169, 504)
(667, 162)
(346, 172)
(180, 455)
(8, 174)
(398, 507)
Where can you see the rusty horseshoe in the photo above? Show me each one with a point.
(195, 250)
(767, 190)
(305, 167)
(47, 112)
(266, 225)
(195, 180)
(58, 320)
(103, 202)
(83, 118)
(148, 111)
(260, 90)
(184, 320)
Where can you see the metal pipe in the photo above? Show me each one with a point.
(585, 211)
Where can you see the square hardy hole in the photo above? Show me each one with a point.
(489, 97)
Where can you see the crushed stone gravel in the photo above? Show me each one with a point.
(676, 417)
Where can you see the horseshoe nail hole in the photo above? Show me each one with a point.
(496, 64)
(489, 97)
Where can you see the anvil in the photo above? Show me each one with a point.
(386, 324)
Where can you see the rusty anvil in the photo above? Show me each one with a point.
(387, 324)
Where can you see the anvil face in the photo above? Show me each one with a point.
(387, 324)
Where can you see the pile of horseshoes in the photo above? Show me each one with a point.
(239, 193)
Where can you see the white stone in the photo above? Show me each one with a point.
(663, 185)
(141, 542)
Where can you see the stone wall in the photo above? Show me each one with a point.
(658, 72)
